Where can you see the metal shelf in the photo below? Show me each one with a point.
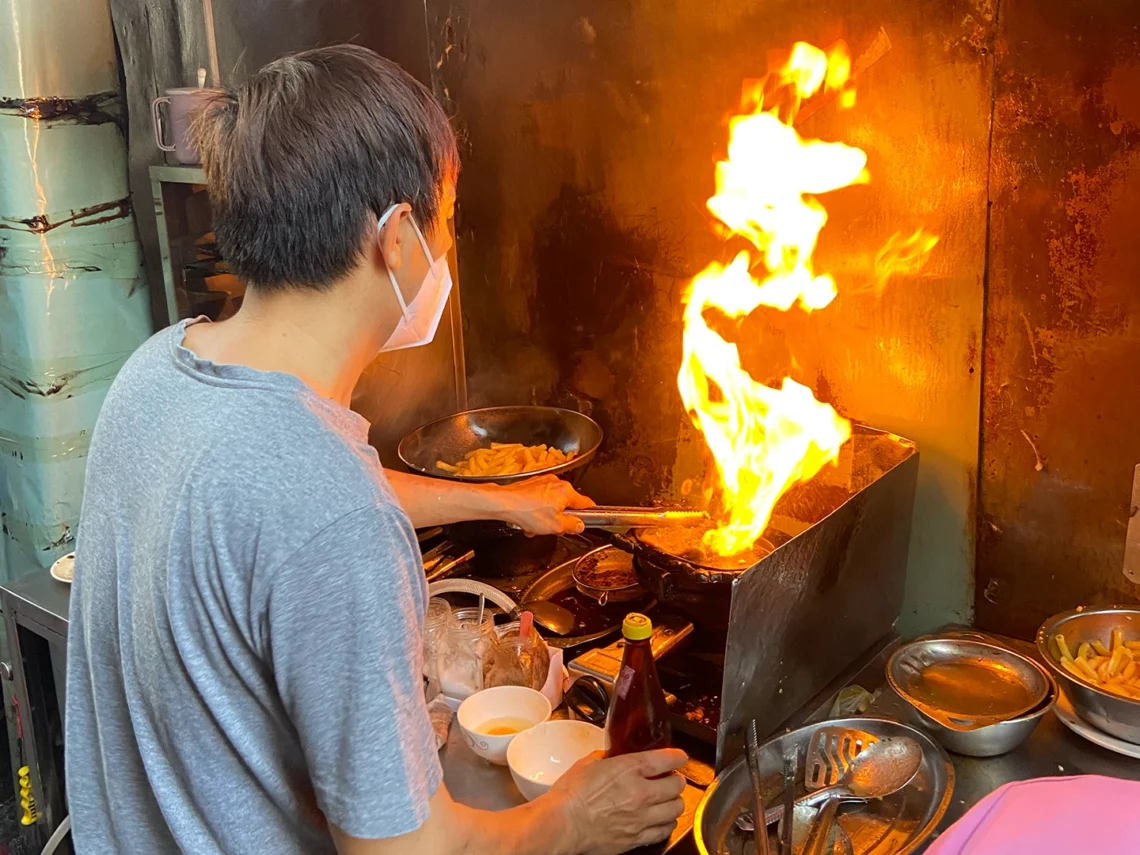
(182, 213)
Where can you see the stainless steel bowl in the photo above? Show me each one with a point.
(896, 825)
(989, 740)
(966, 684)
(450, 438)
(1114, 714)
(992, 740)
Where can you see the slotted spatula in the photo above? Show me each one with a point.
(830, 753)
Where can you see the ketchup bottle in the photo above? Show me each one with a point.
(638, 719)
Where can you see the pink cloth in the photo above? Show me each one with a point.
(1087, 815)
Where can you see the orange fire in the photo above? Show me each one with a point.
(763, 440)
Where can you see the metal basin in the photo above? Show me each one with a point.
(450, 438)
(896, 825)
(965, 684)
(1114, 714)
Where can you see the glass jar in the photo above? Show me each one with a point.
(515, 661)
(435, 627)
(462, 652)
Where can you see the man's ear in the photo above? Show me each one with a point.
(391, 237)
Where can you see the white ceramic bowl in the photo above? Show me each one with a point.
(502, 702)
(538, 757)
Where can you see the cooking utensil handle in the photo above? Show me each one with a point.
(812, 799)
(760, 832)
(791, 768)
(820, 834)
(622, 517)
(446, 568)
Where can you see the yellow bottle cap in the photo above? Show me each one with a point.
(636, 627)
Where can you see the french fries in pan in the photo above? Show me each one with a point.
(1113, 667)
(507, 458)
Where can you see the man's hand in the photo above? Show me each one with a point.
(616, 804)
(599, 807)
(537, 505)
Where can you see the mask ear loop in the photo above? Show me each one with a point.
(423, 242)
(383, 221)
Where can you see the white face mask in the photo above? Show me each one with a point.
(420, 317)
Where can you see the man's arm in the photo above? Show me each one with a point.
(599, 807)
(535, 505)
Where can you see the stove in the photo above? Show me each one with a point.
(738, 640)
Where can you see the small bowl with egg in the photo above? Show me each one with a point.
(541, 755)
(492, 718)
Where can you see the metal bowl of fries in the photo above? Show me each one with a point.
(1095, 655)
(501, 445)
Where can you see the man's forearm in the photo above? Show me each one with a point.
(537, 828)
(434, 501)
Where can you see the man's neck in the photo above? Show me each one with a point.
(327, 342)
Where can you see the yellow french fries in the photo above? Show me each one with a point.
(507, 458)
(1113, 667)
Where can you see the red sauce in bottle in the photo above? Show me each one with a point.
(638, 718)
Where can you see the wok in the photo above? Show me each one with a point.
(450, 438)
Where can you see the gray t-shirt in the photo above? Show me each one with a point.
(244, 657)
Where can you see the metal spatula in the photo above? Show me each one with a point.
(830, 754)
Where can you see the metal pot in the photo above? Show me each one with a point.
(1114, 714)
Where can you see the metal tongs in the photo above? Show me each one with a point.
(760, 832)
(615, 516)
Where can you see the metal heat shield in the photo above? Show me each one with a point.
(831, 589)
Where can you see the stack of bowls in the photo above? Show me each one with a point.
(975, 697)
(1109, 712)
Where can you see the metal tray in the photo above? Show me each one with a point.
(895, 825)
(964, 684)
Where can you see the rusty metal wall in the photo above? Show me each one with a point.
(590, 130)
(1062, 389)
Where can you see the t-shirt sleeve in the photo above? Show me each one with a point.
(345, 645)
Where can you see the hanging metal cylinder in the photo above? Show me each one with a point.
(73, 297)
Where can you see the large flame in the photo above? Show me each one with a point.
(762, 439)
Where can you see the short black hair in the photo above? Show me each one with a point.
(302, 159)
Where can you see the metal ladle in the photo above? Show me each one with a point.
(880, 769)
(551, 616)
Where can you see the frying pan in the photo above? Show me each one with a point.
(450, 438)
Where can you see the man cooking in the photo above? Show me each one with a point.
(244, 664)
